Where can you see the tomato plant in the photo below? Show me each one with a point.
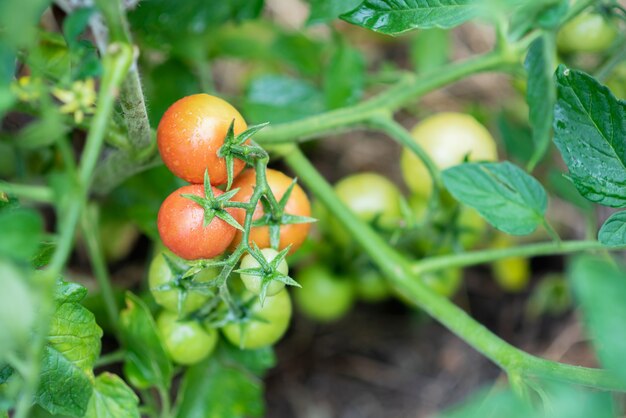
(106, 118)
(264, 324)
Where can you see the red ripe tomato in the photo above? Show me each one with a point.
(191, 133)
(180, 224)
(298, 204)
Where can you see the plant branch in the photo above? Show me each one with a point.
(403, 277)
(408, 88)
(41, 194)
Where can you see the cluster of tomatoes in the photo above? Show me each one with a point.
(342, 275)
(204, 140)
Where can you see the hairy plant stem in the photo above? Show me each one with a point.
(403, 276)
(116, 64)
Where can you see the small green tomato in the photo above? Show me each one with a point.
(186, 342)
(254, 282)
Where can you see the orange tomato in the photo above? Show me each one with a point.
(191, 133)
(298, 204)
(180, 223)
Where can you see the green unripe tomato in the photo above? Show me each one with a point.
(253, 282)
(323, 297)
(372, 198)
(267, 324)
(448, 138)
(512, 274)
(160, 273)
(371, 286)
(118, 238)
(617, 81)
(587, 32)
(186, 342)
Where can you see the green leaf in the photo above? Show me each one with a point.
(7, 69)
(494, 402)
(600, 287)
(18, 20)
(44, 254)
(215, 388)
(517, 138)
(393, 17)
(299, 51)
(507, 197)
(72, 349)
(112, 398)
(540, 93)
(613, 231)
(343, 77)
(17, 309)
(543, 14)
(589, 131)
(323, 11)
(278, 99)
(75, 24)
(20, 233)
(146, 363)
(430, 50)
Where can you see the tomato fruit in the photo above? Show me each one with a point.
(617, 81)
(159, 274)
(323, 297)
(253, 282)
(298, 204)
(118, 238)
(180, 224)
(512, 274)
(186, 342)
(266, 325)
(371, 286)
(448, 138)
(587, 32)
(191, 133)
(371, 197)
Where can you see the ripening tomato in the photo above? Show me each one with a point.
(266, 325)
(191, 133)
(324, 296)
(186, 342)
(298, 204)
(160, 273)
(180, 223)
(587, 32)
(448, 138)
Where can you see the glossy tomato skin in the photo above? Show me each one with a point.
(190, 134)
(298, 204)
(324, 296)
(447, 138)
(272, 322)
(587, 32)
(186, 342)
(180, 223)
(159, 274)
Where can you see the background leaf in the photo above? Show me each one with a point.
(146, 363)
(21, 232)
(214, 388)
(344, 76)
(112, 398)
(393, 17)
(323, 11)
(600, 287)
(540, 93)
(72, 349)
(507, 197)
(613, 231)
(590, 132)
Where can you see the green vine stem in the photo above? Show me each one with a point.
(116, 64)
(477, 257)
(409, 87)
(41, 194)
(402, 276)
